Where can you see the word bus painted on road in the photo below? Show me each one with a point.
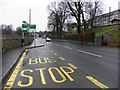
(41, 60)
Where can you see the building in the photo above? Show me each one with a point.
(107, 19)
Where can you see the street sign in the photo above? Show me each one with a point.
(32, 26)
(28, 27)
(25, 29)
(25, 25)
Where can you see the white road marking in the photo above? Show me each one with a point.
(57, 44)
(89, 53)
(67, 47)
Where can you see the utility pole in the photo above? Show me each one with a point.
(30, 24)
(109, 14)
(29, 16)
(29, 20)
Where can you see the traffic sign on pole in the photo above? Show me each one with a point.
(28, 27)
(32, 26)
(25, 31)
(25, 25)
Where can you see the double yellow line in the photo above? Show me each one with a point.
(12, 78)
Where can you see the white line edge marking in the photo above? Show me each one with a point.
(89, 53)
(57, 44)
(67, 47)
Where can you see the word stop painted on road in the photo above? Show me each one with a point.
(41, 60)
(64, 73)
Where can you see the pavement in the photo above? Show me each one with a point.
(10, 58)
(65, 65)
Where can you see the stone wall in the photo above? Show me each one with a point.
(14, 42)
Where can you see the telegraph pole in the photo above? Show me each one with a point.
(29, 16)
(30, 24)
(109, 14)
(29, 20)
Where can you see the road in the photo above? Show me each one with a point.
(66, 65)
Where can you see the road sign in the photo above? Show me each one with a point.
(25, 30)
(25, 25)
(32, 26)
(28, 27)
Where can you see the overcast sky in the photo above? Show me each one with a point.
(16, 11)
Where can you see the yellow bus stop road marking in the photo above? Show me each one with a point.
(73, 66)
(12, 78)
(62, 58)
(55, 54)
(51, 51)
(96, 82)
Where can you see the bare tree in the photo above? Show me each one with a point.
(19, 31)
(57, 16)
(7, 29)
(76, 9)
(93, 9)
(51, 23)
(63, 12)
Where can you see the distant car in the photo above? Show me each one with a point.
(48, 39)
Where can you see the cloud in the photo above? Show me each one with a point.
(15, 11)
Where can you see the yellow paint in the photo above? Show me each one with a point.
(42, 75)
(67, 73)
(72, 66)
(50, 60)
(30, 78)
(12, 78)
(62, 58)
(33, 61)
(55, 54)
(42, 61)
(51, 51)
(24, 54)
(53, 76)
(26, 50)
(96, 82)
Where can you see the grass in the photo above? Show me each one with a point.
(101, 30)
(98, 31)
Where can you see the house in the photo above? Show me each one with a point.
(107, 19)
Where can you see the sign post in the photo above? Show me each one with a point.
(28, 28)
(23, 38)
